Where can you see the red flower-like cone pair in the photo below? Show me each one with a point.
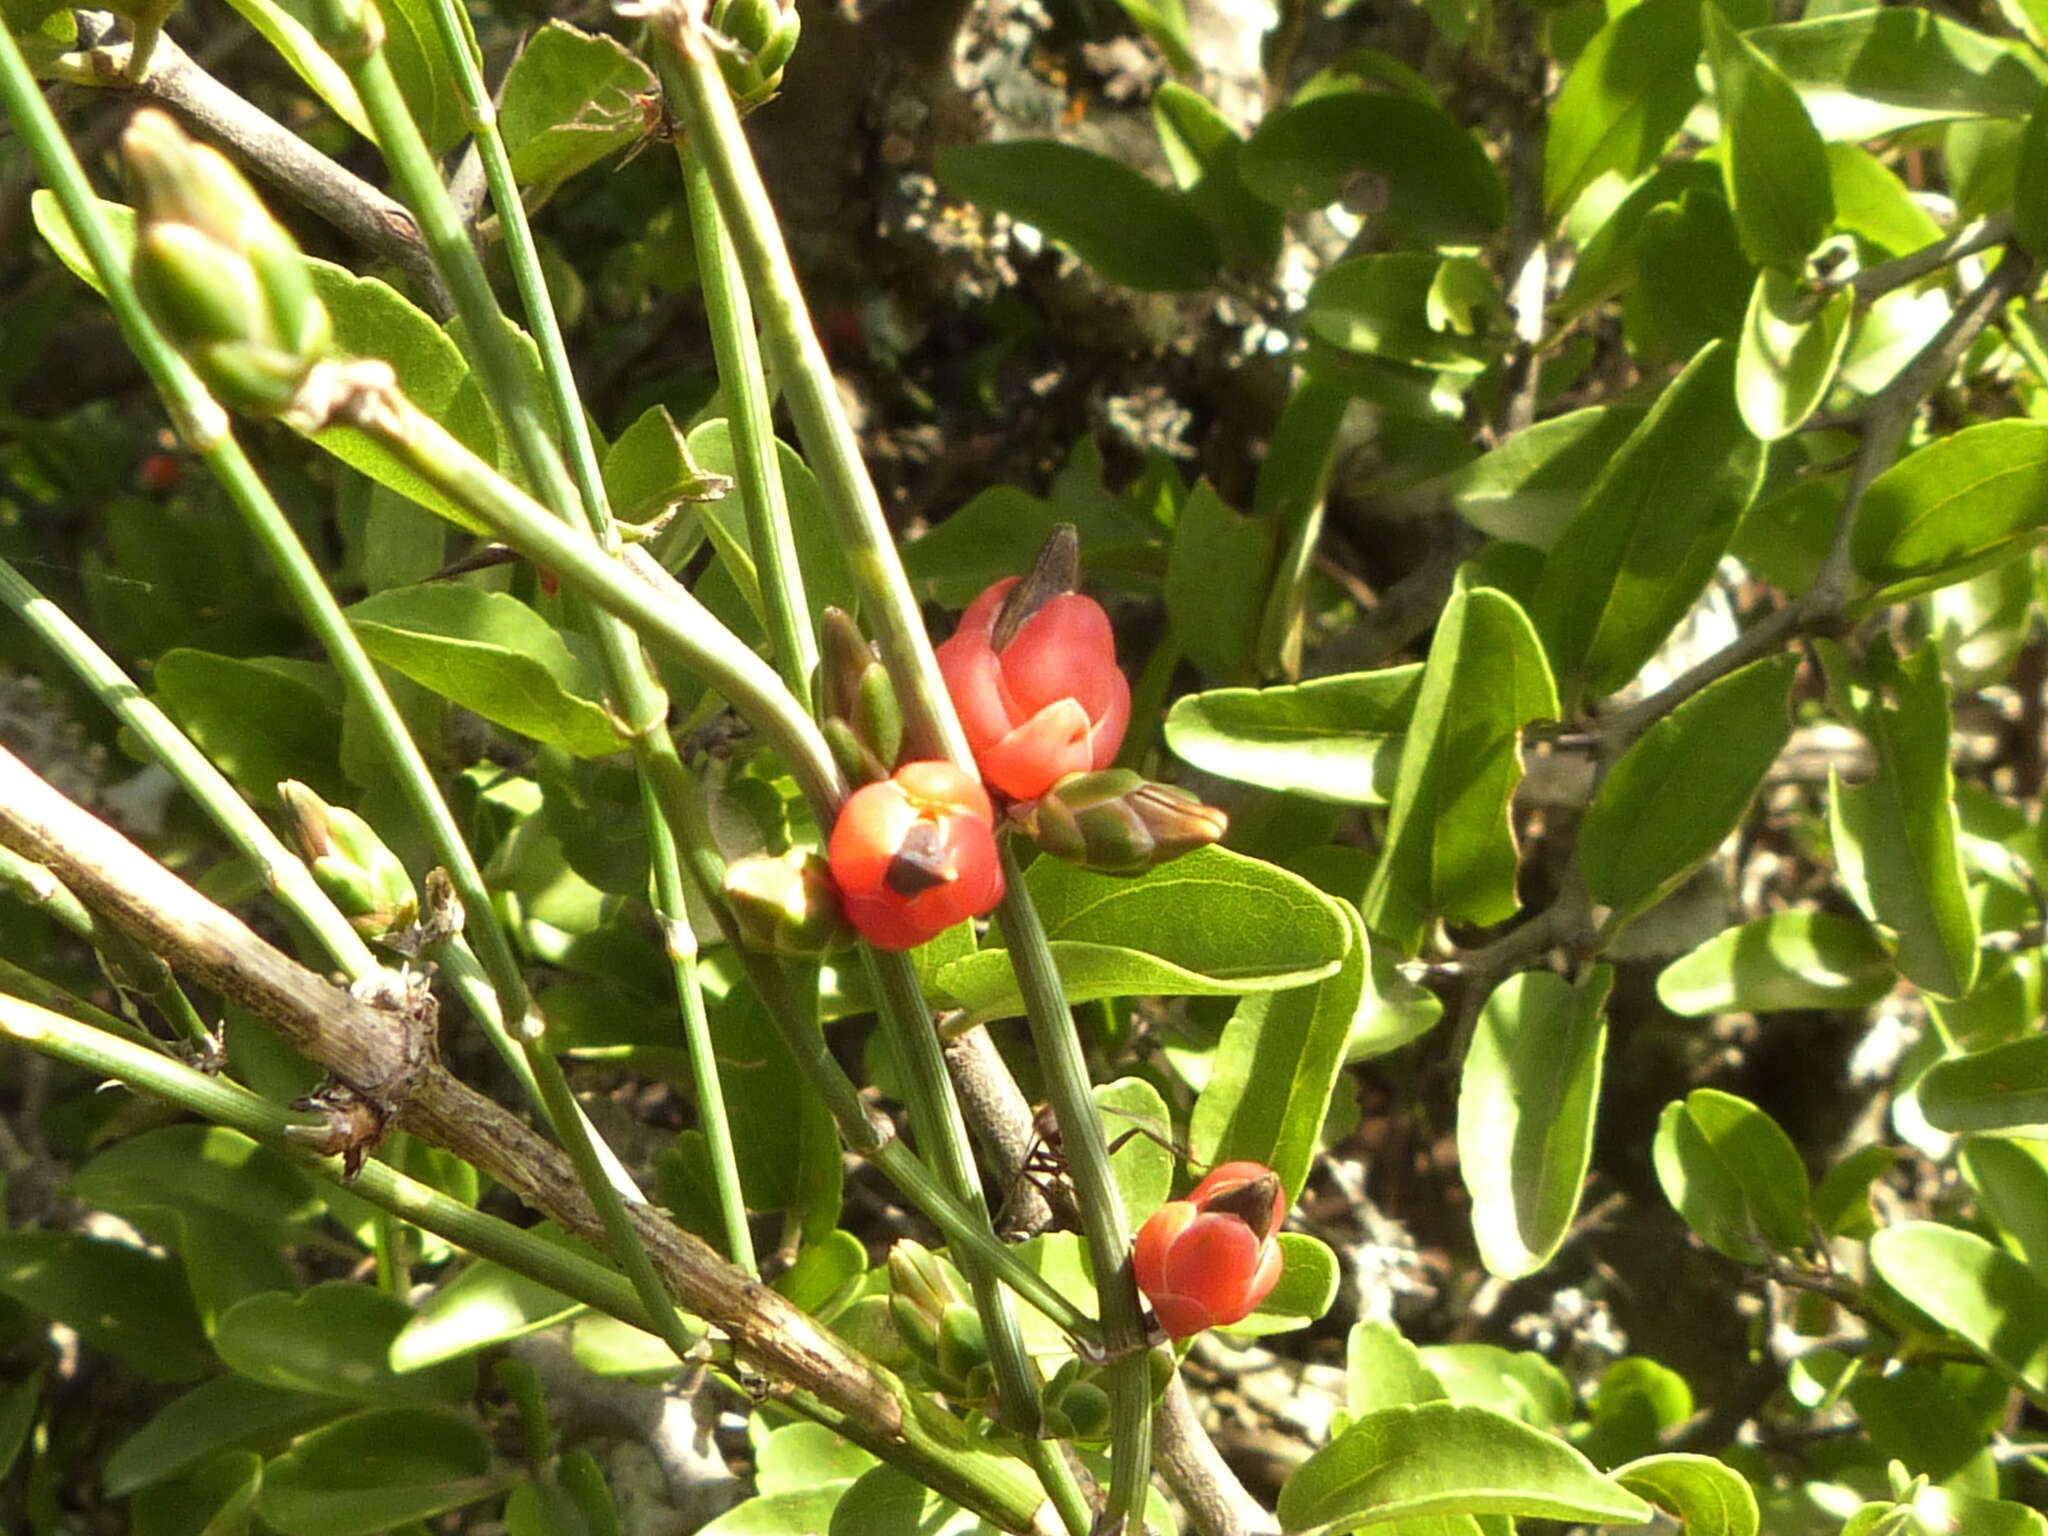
(915, 854)
(1049, 703)
(1208, 1260)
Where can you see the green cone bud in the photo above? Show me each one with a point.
(219, 276)
(1075, 1407)
(787, 904)
(351, 864)
(761, 35)
(857, 707)
(1117, 822)
(963, 1348)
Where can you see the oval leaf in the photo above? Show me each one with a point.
(1771, 157)
(1707, 1497)
(1681, 788)
(1307, 1286)
(1333, 738)
(1627, 94)
(2004, 1088)
(1955, 507)
(1979, 1292)
(1526, 1104)
(377, 1469)
(1785, 960)
(1446, 1459)
(1790, 352)
(1733, 1174)
(336, 1338)
(1129, 229)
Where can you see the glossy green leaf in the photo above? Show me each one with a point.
(2010, 1177)
(543, 1509)
(1874, 205)
(1733, 1174)
(799, 1456)
(1790, 352)
(1674, 796)
(290, 30)
(1206, 156)
(1916, 1417)
(377, 1469)
(1627, 94)
(1895, 836)
(886, 1502)
(1440, 188)
(1964, 502)
(1332, 738)
(1528, 488)
(793, 1512)
(1383, 1370)
(483, 1305)
(1863, 74)
(2004, 1088)
(1637, 556)
(1785, 960)
(1165, 22)
(1518, 1384)
(1771, 156)
(570, 99)
(1308, 1285)
(1210, 923)
(1275, 1068)
(1841, 1201)
(1692, 281)
(225, 1414)
(1449, 850)
(825, 1274)
(1139, 1129)
(1526, 1104)
(335, 1338)
(490, 653)
(2030, 186)
(1293, 483)
(1980, 1293)
(261, 720)
(826, 576)
(1216, 583)
(130, 1304)
(1387, 306)
(1606, 261)
(205, 1166)
(218, 1499)
(1705, 1496)
(1129, 229)
(1444, 1459)
(19, 1401)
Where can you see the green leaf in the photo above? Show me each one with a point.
(377, 1469)
(800, 1456)
(133, 1305)
(1165, 22)
(1526, 1105)
(1917, 1417)
(1864, 74)
(1982, 1294)
(1439, 186)
(1874, 205)
(1790, 352)
(1961, 504)
(1333, 738)
(226, 1414)
(261, 720)
(570, 99)
(1136, 1124)
(206, 1167)
(1895, 836)
(2030, 186)
(1707, 1497)
(1771, 155)
(1606, 262)
(2010, 1178)
(793, 1512)
(1383, 1370)
(886, 1502)
(1841, 1201)
(483, 1305)
(1216, 583)
(1692, 281)
(1390, 307)
(18, 1404)
(826, 576)
(1443, 1459)
(1733, 1174)
(219, 1499)
(1783, 961)
(1206, 156)
(1129, 229)
(1449, 849)
(288, 30)
(1212, 923)
(1678, 791)
(335, 1338)
(426, 78)
(1627, 94)
(490, 653)
(1527, 489)
(1307, 1286)
(1635, 559)
(1276, 1066)
(1518, 1384)
(2004, 1088)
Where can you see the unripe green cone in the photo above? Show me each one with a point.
(857, 706)
(787, 904)
(1117, 822)
(351, 864)
(220, 276)
(763, 35)
(1075, 1407)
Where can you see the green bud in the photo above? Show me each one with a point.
(787, 904)
(857, 706)
(222, 279)
(869, 1325)
(1117, 822)
(760, 35)
(351, 864)
(963, 1345)
(1077, 1411)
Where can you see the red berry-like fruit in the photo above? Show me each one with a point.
(1048, 702)
(1208, 1260)
(914, 854)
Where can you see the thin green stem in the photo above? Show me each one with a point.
(756, 465)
